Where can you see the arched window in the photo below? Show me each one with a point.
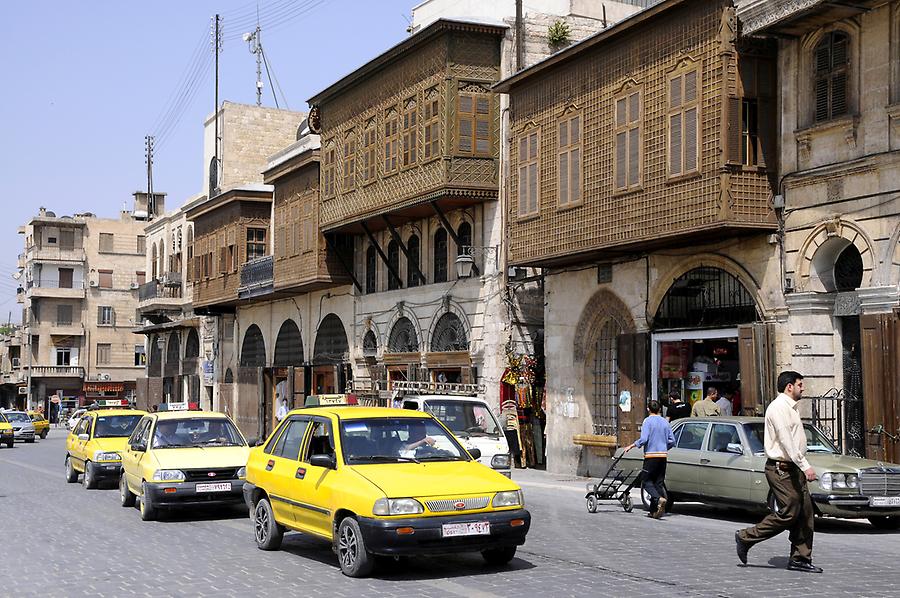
(213, 177)
(449, 334)
(288, 345)
(331, 341)
(190, 253)
(173, 355)
(440, 255)
(154, 364)
(848, 269)
(464, 232)
(370, 344)
(229, 376)
(192, 345)
(394, 261)
(832, 62)
(371, 266)
(706, 297)
(403, 338)
(153, 263)
(413, 262)
(253, 349)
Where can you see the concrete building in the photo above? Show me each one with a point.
(13, 375)
(838, 186)
(81, 276)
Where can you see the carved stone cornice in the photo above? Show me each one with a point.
(757, 16)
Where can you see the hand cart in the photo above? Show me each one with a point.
(615, 485)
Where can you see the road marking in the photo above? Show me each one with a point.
(457, 589)
(43, 470)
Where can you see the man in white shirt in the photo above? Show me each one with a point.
(724, 404)
(282, 410)
(788, 473)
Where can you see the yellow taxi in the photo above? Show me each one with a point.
(377, 481)
(95, 445)
(7, 434)
(183, 458)
(40, 423)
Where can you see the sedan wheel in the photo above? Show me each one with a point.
(354, 558)
(268, 533)
(71, 474)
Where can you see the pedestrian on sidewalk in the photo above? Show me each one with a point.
(656, 439)
(787, 472)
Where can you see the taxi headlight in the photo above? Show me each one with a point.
(500, 461)
(242, 473)
(168, 475)
(100, 456)
(397, 506)
(511, 498)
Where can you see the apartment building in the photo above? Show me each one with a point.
(81, 276)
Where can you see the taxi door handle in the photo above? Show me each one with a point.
(704, 460)
(270, 465)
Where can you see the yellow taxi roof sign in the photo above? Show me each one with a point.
(330, 400)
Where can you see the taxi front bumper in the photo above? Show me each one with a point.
(381, 535)
(104, 470)
(175, 494)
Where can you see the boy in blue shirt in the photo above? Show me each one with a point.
(657, 439)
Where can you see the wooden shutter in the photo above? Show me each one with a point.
(675, 144)
(621, 160)
(881, 382)
(634, 151)
(632, 377)
(839, 94)
(821, 93)
(690, 139)
(756, 359)
(733, 130)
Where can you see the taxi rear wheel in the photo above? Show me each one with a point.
(125, 494)
(148, 510)
(44, 434)
(71, 474)
(355, 560)
(89, 480)
(268, 533)
(499, 556)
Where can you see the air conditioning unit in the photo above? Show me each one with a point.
(135, 286)
(104, 377)
(94, 283)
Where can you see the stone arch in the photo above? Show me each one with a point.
(603, 306)
(288, 345)
(664, 282)
(888, 271)
(192, 344)
(823, 245)
(331, 341)
(253, 348)
(403, 337)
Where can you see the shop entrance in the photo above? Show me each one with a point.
(695, 344)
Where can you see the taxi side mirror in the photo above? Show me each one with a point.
(253, 442)
(139, 447)
(475, 453)
(83, 437)
(326, 461)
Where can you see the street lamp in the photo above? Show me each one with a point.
(465, 261)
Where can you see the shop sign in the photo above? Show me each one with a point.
(183, 406)
(208, 370)
(95, 387)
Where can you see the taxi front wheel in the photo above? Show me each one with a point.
(268, 533)
(125, 494)
(71, 474)
(89, 481)
(148, 510)
(355, 560)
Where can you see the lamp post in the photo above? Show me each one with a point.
(466, 258)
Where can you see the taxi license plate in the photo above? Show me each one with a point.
(478, 528)
(221, 487)
(884, 501)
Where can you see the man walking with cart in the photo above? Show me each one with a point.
(788, 473)
(656, 440)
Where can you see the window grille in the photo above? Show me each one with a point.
(403, 337)
(605, 399)
(449, 334)
(413, 262)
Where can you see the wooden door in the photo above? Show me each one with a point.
(881, 383)
(756, 359)
(633, 357)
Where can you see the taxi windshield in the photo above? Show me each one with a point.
(464, 418)
(816, 442)
(115, 426)
(395, 440)
(196, 432)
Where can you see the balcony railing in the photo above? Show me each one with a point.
(59, 254)
(167, 287)
(257, 277)
(57, 371)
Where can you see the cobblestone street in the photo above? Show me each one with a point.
(61, 540)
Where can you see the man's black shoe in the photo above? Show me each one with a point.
(742, 547)
(803, 566)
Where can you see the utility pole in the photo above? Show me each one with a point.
(217, 48)
(254, 42)
(149, 142)
(520, 37)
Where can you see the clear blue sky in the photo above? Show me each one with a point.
(85, 81)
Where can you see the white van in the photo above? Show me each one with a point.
(459, 408)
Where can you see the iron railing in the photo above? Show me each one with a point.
(839, 416)
(257, 277)
(170, 288)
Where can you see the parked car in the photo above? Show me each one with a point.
(377, 481)
(183, 458)
(721, 460)
(95, 446)
(40, 423)
(7, 434)
(471, 421)
(23, 429)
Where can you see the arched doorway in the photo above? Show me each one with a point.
(172, 369)
(449, 360)
(288, 377)
(331, 369)
(697, 338)
(154, 363)
(401, 356)
(253, 349)
(288, 345)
